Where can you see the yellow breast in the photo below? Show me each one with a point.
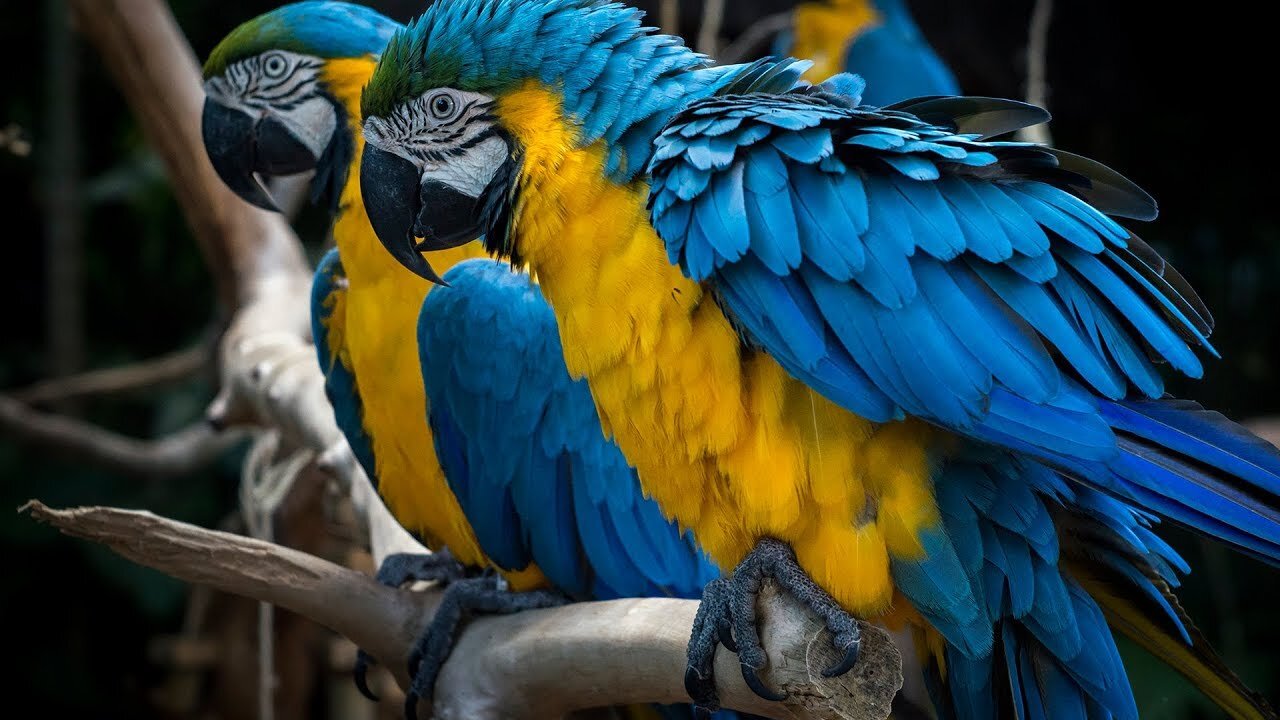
(723, 438)
(380, 344)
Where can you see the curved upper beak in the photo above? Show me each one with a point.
(393, 198)
(229, 141)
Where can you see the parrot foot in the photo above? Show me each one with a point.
(727, 616)
(397, 570)
(485, 595)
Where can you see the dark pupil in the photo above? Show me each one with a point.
(443, 106)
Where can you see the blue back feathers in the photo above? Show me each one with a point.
(523, 451)
(323, 28)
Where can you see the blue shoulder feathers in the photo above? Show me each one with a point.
(523, 450)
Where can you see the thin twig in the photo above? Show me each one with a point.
(747, 45)
(176, 455)
(1037, 69)
(145, 375)
(536, 664)
(709, 30)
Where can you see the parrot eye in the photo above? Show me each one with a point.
(274, 66)
(443, 106)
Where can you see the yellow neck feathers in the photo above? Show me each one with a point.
(727, 442)
(379, 323)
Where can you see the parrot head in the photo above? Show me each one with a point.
(440, 145)
(270, 108)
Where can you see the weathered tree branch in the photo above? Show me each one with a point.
(181, 453)
(538, 664)
(158, 73)
(147, 374)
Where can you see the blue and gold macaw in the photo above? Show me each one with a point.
(482, 443)
(877, 39)
(904, 370)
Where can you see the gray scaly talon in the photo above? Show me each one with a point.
(463, 599)
(729, 603)
(397, 570)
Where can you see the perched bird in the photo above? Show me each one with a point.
(876, 39)
(904, 370)
(482, 443)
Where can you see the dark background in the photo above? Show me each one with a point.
(1178, 100)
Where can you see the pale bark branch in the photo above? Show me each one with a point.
(1038, 69)
(145, 375)
(155, 68)
(176, 455)
(709, 31)
(537, 664)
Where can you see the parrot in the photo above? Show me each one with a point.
(457, 401)
(902, 368)
(877, 39)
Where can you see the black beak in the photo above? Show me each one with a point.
(229, 142)
(396, 201)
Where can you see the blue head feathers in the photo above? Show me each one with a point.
(620, 81)
(322, 28)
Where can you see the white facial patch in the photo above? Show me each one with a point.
(470, 172)
(283, 85)
(312, 121)
(448, 134)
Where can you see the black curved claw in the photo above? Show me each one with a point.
(727, 616)
(395, 571)
(363, 662)
(724, 631)
(757, 685)
(846, 663)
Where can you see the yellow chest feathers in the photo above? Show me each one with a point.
(377, 332)
(725, 440)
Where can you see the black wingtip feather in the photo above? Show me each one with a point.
(1106, 189)
(984, 116)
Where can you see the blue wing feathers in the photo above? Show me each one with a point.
(339, 381)
(970, 283)
(540, 482)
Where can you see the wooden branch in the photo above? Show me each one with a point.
(537, 664)
(144, 375)
(176, 455)
(157, 71)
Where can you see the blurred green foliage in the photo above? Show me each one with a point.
(1164, 95)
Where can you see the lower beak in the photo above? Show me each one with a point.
(229, 142)
(393, 199)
